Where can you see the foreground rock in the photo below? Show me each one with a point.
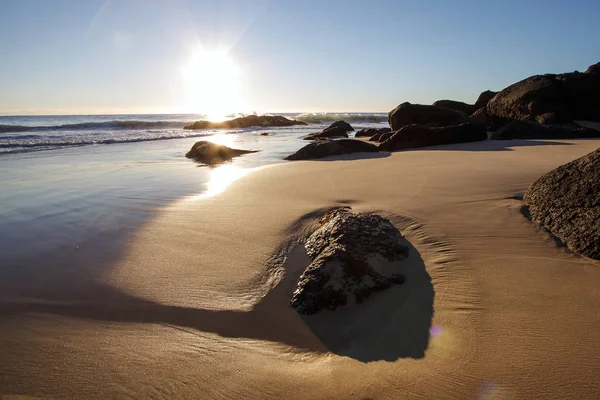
(370, 132)
(349, 252)
(531, 130)
(415, 136)
(246, 122)
(408, 114)
(336, 129)
(550, 99)
(325, 148)
(212, 153)
(567, 202)
(457, 106)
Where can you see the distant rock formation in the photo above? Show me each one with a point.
(408, 114)
(325, 148)
(349, 252)
(415, 136)
(336, 129)
(456, 105)
(369, 132)
(567, 202)
(212, 153)
(531, 130)
(550, 99)
(246, 122)
(484, 98)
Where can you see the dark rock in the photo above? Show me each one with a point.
(385, 136)
(327, 134)
(415, 136)
(567, 202)
(531, 130)
(484, 98)
(550, 99)
(369, 132)
(246, 122)
(375, 137)
(407, 114)
(212, 153)
(340, 125)
(480, 118)
(264, 134)
(324, 148)
(456, 105)
(347, 253)
(593, 69)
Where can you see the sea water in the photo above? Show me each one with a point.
(77, 186)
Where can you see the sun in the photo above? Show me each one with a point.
(212, 82)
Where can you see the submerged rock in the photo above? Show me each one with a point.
(567, 202)
(324, 148)
(531, 130)
(212, 153)
(415, 136)
(347, 253)
(336, 129)
(246, 122)
(408, 114)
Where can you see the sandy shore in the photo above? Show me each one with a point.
(196, 307)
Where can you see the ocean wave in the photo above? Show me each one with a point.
(319, 118)
(112, 125)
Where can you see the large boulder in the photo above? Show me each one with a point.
(246, 122)
(550, 99)
(531, 130)
(567, 202)
(407, 114)
(336, 129)
(415, 136)
(370, 132)
(457, 106)
(212, 153)
(593, 69)
(484, 98)
(481, 118)
(325, 148)
(351, 255)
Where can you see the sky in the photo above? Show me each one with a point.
(173, 56)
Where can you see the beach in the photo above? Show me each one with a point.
(193, 302)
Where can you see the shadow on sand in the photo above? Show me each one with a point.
(494, 145)
(389, 325)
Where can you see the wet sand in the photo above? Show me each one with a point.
(196, 304)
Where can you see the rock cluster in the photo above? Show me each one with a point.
(415, 136)
(246, 122)
(346, 253)
(337, 129)
(325, 148)
(567, 202)
(370, 132)
(531, 130)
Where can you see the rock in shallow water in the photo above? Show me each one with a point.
(347, 253)
(567, 202)
(212, 153)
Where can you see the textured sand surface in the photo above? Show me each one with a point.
(492, 307)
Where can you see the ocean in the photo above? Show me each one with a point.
(75, 187)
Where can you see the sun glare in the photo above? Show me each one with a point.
(212, 82)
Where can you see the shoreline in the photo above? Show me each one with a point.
(198, 292)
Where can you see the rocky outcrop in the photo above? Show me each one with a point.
(407, 114)
(246, 122)
(484, 98)
(480, 118)
(531, 130)
(550, 99)
(593, 69)
(325, 148)
(457, 106)
(415, 136)
(212, 153)
(370, 132)
(567, 202)
(349, 253)
(337, 129)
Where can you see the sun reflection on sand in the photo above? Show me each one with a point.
(220, 178)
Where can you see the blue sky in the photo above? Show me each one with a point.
(330, 55)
